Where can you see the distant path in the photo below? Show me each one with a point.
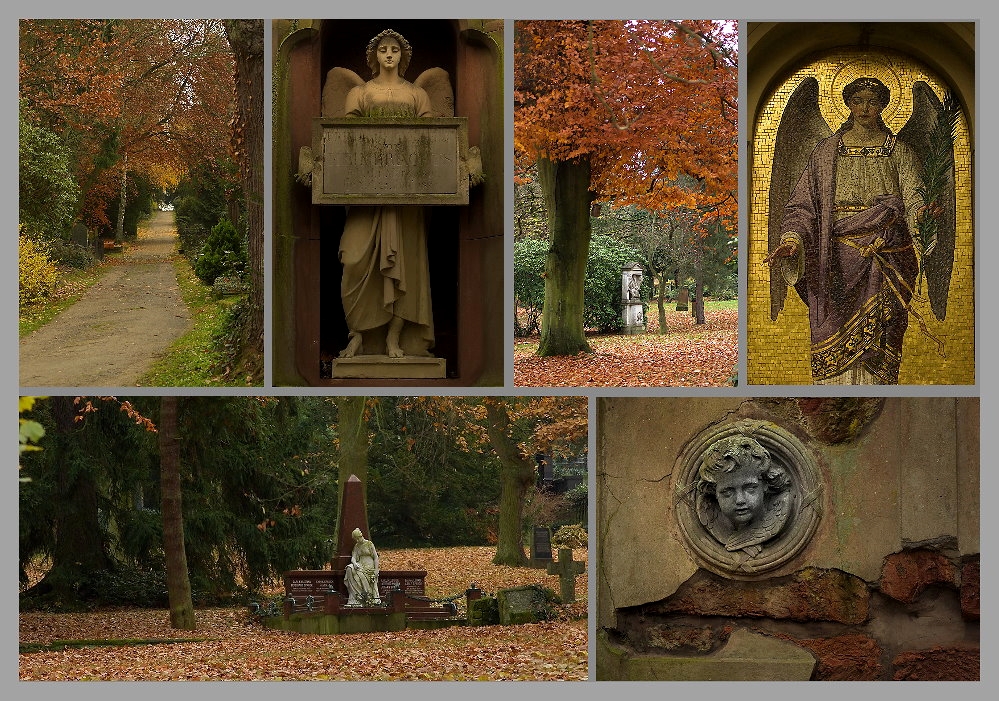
(112, 335)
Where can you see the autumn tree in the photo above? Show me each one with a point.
(622, 111)
(148, 97)
(513, 429)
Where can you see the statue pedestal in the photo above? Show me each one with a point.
(634, 319)
(381, 366)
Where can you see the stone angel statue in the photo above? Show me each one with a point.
(361, 575)
(385, 287)
(858, 219)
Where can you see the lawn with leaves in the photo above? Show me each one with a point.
(229, 645)
(688, 356)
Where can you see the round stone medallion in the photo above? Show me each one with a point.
(747, 497)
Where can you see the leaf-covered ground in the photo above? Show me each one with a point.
(229, 645)
(687, 356)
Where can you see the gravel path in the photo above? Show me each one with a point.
(112, 335)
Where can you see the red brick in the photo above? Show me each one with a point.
(939, 664)
(846, 658)
(970, 597)
(810, 594)
(906, 574)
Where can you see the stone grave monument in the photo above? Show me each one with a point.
(355, 595)
(541, 546)
(567, 570)
(631, 299)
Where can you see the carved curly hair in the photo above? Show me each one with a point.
(737, 452)
(372, 51)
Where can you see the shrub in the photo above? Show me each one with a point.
(574, 536)
(222, 254)
(47, 190)
(602, 294)
(528, 284)
(37, 274)
(71, 254)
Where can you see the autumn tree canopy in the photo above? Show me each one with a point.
(150, 97)
(639, 112)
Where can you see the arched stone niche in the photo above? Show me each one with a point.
(308, 326)
(746, 539)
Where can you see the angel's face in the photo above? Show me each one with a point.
(865, 106)
(388, 53)
(740, 496)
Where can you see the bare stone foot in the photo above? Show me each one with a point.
(392, 338)
(353, 346)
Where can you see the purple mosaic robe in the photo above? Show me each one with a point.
(859, 266)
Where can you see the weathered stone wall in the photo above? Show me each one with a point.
(886, 588)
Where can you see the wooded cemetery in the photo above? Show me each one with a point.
(168, 537)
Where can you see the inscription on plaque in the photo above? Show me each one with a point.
(387, 161)
(390, 161)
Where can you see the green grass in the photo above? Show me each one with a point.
(73, 283)
(60, 645)
(194, 359)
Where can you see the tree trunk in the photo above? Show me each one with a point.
(246, 37)
(566, 189)
(353, 430)
(661, 300)
(119, 230)
(517, 475)
(698, 288)
(177, 580)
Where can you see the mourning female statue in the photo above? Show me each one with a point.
(743, 498)
(385, 287)
(361, 575)
(859, 226)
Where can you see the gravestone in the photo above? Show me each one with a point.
(567, 570)
(522, 605)
(541, 546)
(632, 311)
(80, 235)
(682, 299)
(483, 611)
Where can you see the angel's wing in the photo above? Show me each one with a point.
(801, 128)
(339, 82)
(437, 83)
(936, 153)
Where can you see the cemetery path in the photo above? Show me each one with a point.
(112, 335)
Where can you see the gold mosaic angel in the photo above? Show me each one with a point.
(871, 215)
(385, 287)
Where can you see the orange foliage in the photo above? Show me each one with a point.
(548, 420)
(645, 101)
(158, 91)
